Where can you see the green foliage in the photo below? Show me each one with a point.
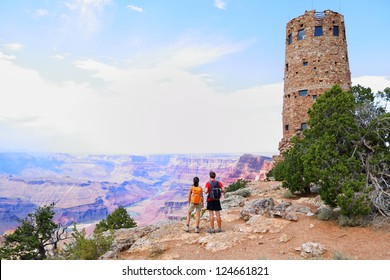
(116, 220)
(326, 214)
(353, 221)
(240, 184)
(287, 194)
(340, 256)
(88, 248)
(32, 239)
(294, 169)
(345, 151)
(279, 171)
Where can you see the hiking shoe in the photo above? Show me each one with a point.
(219, 230)
(211, 230)
(187, 228)
(197, 230)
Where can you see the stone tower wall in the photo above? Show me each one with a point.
(314, 62)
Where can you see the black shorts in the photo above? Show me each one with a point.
(214, 205)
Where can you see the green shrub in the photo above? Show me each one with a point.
(240, 184)
(279, 171)
(354, 221)
(326, 214)
(88, 248)
(289, 195)
(340, 256)
(116, 220)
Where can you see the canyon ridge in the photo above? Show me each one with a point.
(86, 188)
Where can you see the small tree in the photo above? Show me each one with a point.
(116, 220)
(34, 237)
(237, 185)
(88, 248)
(345, 152)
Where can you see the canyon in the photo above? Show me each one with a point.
(86, 188)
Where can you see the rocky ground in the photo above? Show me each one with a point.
(259, 223)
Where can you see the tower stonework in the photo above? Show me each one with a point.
(316, 59)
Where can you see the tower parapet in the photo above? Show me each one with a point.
(316, 58)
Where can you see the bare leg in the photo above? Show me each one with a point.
(211, 214)
(188, 217)
(219, 221)
(197, 218)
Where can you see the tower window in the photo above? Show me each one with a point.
(301, 34)
(318, 31)
(303, 126)
(286, 67)
(303, 92)
(289, 39)
(335, 31)
(305, 63)
(286, 127)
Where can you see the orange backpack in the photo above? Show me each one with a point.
(196, 197)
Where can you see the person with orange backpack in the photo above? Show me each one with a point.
(195, 201)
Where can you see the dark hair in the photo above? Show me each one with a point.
(196, 181)
(212, 174)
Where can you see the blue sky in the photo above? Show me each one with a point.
(173, 76)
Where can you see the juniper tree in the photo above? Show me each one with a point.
(36, 234)
(116, 220)
(345, 151)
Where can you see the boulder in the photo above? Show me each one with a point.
(220, 241)
(125, 238)
(311, 249)
(261, 224)
(245, 192)
(233, 201)
(280, 210)
(291, 216)
(257, 207)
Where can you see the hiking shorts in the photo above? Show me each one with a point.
(214, 205)
(192, 206)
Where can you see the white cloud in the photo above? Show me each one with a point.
(155, 109)
(57, 57)
(96, 3)
(153, 105)
(376, 83)
(39, 13)
(220, 4)
(71, 6)
(86, 14)
(6, 57)
(135, 8)
(13, 46)
(60, 56)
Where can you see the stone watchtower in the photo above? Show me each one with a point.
(316, 59)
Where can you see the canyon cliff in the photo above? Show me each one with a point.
(85, 189)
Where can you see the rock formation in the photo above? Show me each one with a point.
(87, 188)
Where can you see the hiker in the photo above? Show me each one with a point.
(214, 190)
(195, 201)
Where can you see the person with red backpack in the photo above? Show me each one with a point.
(195, 201)
(214, 190)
